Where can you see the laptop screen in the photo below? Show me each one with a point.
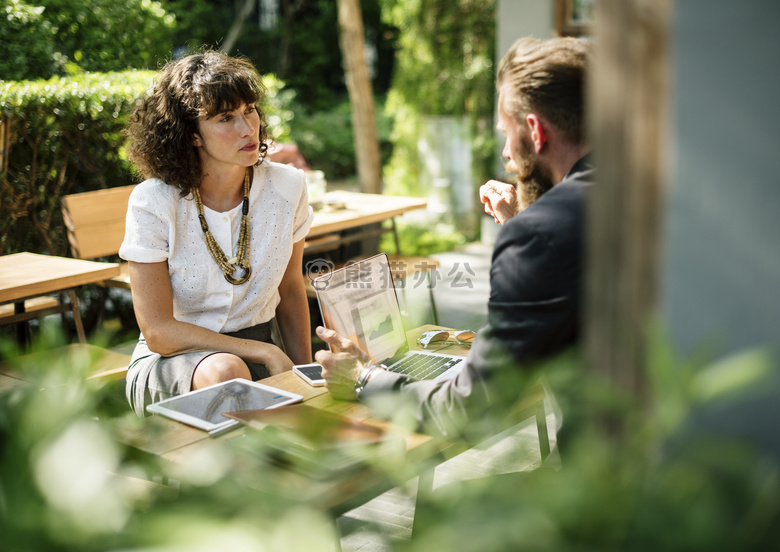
(359, 302)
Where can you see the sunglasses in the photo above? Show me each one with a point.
(463, 337)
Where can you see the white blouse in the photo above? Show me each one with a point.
(162, 226)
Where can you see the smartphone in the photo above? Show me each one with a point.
(310, 373)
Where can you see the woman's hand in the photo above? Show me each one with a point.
(275, 360)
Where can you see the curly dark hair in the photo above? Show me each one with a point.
(162, 127)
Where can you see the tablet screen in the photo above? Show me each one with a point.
(203, 408)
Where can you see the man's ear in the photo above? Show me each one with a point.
(538, 131)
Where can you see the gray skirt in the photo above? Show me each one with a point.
(152, 378)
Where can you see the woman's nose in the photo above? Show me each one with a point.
(246, 126)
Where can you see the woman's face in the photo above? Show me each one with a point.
(229, 138)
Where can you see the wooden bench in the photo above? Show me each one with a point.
(96, 226)
(35, 304)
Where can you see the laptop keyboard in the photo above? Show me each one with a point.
(420, 366)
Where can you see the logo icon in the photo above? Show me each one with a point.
(319, 268)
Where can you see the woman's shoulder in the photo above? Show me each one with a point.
(280, 171)
(154, 192)
(154, 187)
(285, 179)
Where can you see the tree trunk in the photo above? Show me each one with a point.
(238, 24)
(629, 91)
(361, 97)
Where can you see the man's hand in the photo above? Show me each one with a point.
(341, 370)
(500, 200)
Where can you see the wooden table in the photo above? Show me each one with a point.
(352, 210)
(8, 382)
(27, 275)
(180, 444)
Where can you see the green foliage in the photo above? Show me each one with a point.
(277, 107)
(199, 22)
(26, 42)
(67, 36)
(65, 135)
(444, 67)
(326, 140)
(68, 484)
(302, 48)
(653, 481)
(104, 35)
(445, 54)
(423, 239)
(635, 475)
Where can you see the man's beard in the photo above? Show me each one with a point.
(533, 179)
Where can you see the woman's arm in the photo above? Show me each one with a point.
(153, 305)
(292, 314)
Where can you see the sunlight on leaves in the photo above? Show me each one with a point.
(731, 375)
(73, 473)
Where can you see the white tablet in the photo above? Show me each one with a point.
(203, 408)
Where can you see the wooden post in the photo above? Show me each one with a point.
(5, 141)
(629, 114)
(369, 164)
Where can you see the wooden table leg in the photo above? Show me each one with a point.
(74, 305)
(22, 328)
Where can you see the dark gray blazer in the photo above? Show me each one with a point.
(533, 313)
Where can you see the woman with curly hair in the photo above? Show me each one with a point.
(214, 236)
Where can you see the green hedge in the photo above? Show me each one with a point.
(64, 135)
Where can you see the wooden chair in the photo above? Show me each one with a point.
(96, 226)
(104, 365)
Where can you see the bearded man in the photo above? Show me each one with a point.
(535, 275)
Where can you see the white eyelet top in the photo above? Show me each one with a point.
(162, 226)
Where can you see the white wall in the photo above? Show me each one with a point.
(721, 258)
(516, 19)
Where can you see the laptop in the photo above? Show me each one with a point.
(359, 302)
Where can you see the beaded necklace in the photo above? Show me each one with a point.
(228, 266)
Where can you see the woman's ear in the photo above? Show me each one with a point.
(196, 141)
